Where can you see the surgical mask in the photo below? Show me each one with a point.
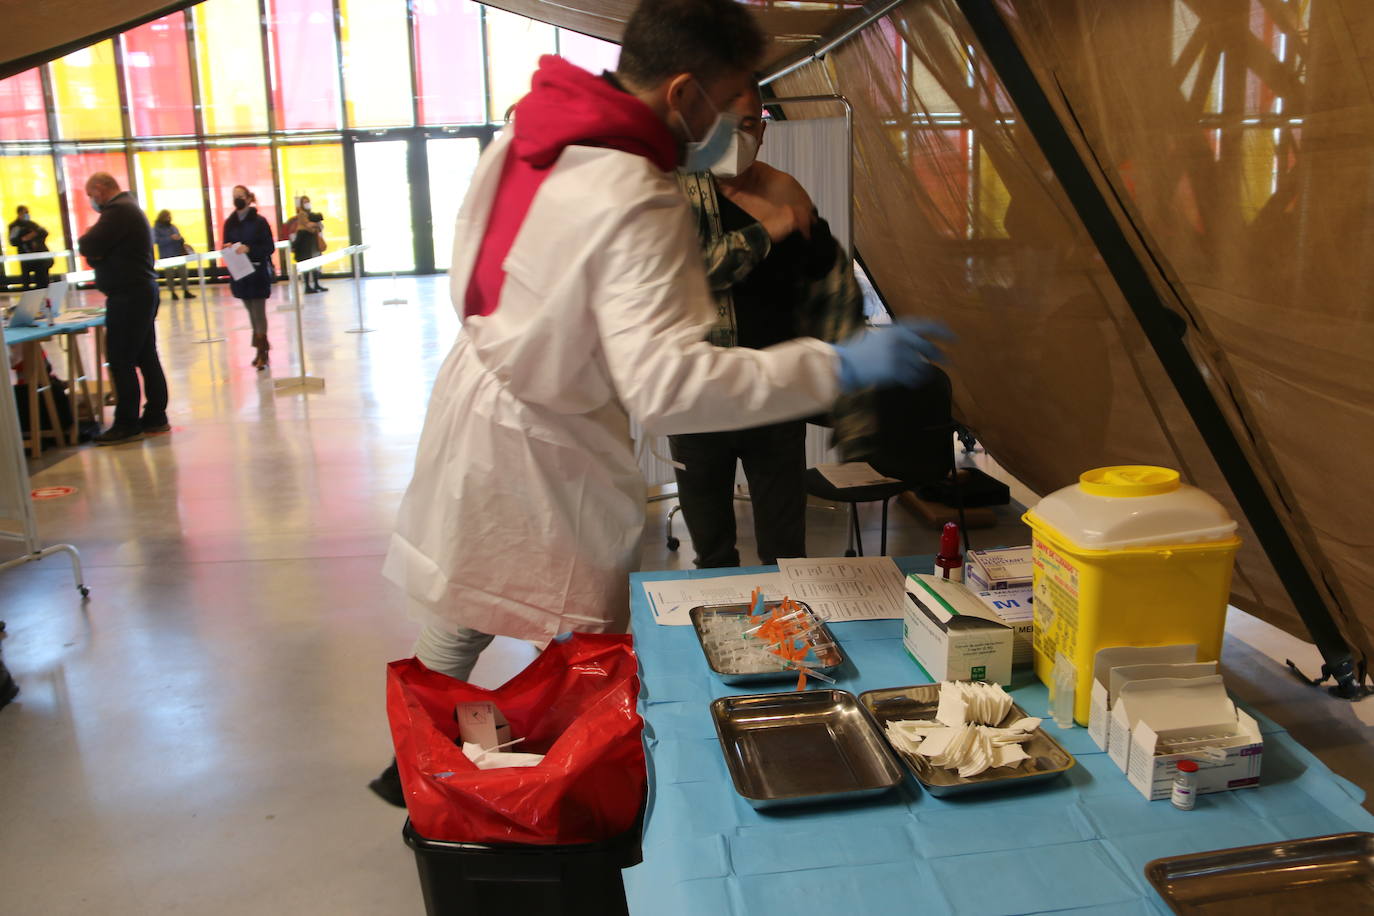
(240, 203)
(739, 155)
(95, 204)
(701, 154)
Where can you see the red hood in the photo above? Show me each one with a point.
(567, 106)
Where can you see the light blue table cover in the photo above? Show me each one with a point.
(1078, 844)
(46, 332)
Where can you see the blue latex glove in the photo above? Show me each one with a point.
(889, 356)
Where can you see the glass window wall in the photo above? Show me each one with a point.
(157, 75)
(86, 94)
(270, 94)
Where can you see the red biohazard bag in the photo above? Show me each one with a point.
(575, 704)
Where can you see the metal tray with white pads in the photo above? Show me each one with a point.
(1047, 758)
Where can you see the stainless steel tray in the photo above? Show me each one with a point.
(804, 746)
(826, 664)
(1047, 758)
(1324, 874)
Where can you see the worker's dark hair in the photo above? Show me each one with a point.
(707, 38)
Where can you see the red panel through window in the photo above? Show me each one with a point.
(21, 107)
(157, 72)
(305, 64)
(448, 62)
(250, 166)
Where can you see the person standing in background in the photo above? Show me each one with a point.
(28, 237)
(249, 234)
(776, 273)
(170, 244)
(305, 232)
(119, 248)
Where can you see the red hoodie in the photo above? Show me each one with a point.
(566, 106)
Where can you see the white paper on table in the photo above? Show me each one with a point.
(846, 588)
(853, 474)
(238, 265)
(672, 600)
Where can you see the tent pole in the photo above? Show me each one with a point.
(1162, 328)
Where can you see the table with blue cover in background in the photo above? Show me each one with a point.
(37, 380)
(1078, 844)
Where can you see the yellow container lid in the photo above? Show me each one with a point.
(1125, 481)
(1130, 506)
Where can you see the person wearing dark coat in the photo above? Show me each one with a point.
(28, 237)
(250, 234)
(119, 248)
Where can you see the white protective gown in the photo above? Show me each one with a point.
(526, 510)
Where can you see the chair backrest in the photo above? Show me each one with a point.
(915, 441)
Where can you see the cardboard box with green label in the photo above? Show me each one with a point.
(953, 635)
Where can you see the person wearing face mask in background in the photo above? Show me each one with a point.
(119, 248)
(249, 233)
(170, 244)
(305, 232)
(584, 304)
(28, 237)
(776, 274)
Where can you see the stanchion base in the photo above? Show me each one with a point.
(286, 308)
(395, 301)
(361, 330)
(210, 340)
(298, 382)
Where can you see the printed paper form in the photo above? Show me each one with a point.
(672, 600)
(847, 588)
(837, 589)
(853, 474)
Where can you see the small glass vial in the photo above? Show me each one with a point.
(1185, 785)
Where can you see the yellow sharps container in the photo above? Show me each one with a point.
(1128, 556)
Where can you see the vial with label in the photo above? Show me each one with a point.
(1185, 785)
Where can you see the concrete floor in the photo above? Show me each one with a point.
(197, 737)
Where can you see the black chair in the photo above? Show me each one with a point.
(914, 446)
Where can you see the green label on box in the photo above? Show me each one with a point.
(978, 674)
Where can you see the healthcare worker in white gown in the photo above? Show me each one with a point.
(585, 305)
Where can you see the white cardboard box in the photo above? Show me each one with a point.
(1014, 607)
(1001, 567)
(1173, 719)
(952, 634)
(1099, 719)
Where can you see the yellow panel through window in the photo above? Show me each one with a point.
(233, 93)
(514, 45)
(993, 199)
(317, 171)
(376, 63)
(29, 181)
(170, 180)
(86, 94)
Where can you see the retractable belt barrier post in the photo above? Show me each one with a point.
(199, 259)
(305, 380)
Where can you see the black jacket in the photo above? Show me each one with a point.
(120, 246)
(254, 232)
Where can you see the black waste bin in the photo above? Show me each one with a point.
(479, 879)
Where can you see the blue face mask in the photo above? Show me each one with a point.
(701, 154)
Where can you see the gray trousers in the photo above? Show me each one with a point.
(452, 652)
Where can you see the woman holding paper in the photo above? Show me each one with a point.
(248, 234)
